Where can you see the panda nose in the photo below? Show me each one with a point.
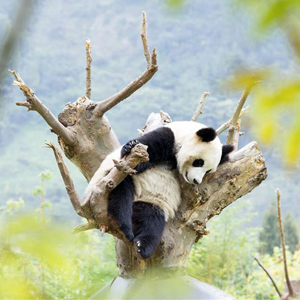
(195, 181)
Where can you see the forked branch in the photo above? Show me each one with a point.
(34, 103)
(152, 67)
(226, 125)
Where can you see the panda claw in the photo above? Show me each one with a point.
(126, 149)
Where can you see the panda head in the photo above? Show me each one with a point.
(199, 150)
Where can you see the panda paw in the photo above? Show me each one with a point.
(126, 149)
(143, 249)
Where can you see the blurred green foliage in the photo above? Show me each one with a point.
(47, 262)
(224, 258)
(276, 101)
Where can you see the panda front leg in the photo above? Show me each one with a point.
(148, 226)
(120, 206)
(161, 147)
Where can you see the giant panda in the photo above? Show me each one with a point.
(142, 203)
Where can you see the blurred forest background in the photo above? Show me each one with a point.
(200, 46)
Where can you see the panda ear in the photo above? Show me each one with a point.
(226, 149)
(207, 134)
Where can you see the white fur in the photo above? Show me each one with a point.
(158, 185)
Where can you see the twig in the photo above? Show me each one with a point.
(88, 68)
(144, 40)
(198, 111)
(152, 67)
(273, 282)
(34, 103)
(226, 125)
(237, 134)
(288, 283)
(237, 113)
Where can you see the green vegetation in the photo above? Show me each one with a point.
(47, 262)
(42, 260)
(225, 258)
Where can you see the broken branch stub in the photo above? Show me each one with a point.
(198, 111)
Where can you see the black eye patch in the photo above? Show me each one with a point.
(198, 163)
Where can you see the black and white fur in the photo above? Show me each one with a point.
(141, 204)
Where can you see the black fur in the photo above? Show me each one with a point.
(160, 144)
(207, 134)
(226, 149)
(120, 206)
(148, 226)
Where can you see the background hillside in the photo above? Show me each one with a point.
(199, 48)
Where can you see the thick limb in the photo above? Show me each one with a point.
(148, 226)
(120, 206)
(160, 144)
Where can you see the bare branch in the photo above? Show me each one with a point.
(198, 111)
(152, 67)
(286, 272)
(74, 198)
(227, 124)
(272, 280)
(144, 40)
(34, 103)
(237, 134)
(237, 113)
(88, 68)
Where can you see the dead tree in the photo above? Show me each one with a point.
(86, 137)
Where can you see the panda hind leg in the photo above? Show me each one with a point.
(120, 206)
(148, 226)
